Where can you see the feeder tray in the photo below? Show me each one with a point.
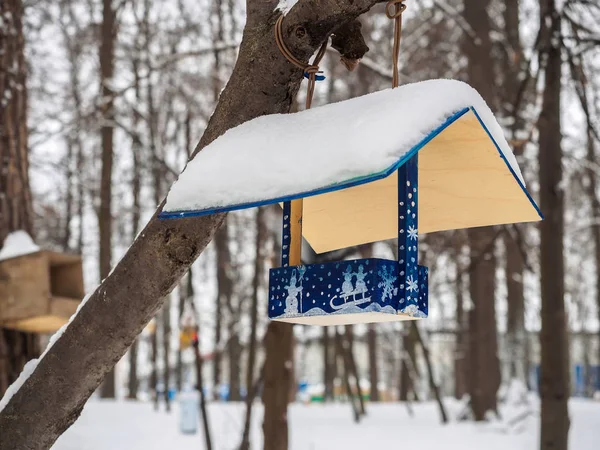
(40, 291)
(422, 158)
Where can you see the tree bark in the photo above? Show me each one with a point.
(263, 82)
(554, 376)
(16, 210)
(108, 34)
(484, 366)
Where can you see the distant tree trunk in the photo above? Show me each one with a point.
(224, 283)
(278, 377)
(234, 353)
(278, 372)
(154, 364)
(554, 376)
(179, 362)
(432, 384)
(373, 369)
(515, 265)
(224, 293)
(16, 210)
(328, 365)
(349, 348)
(515, 318)
(409, 359)
(484, 366)
(199, 365)
(595, 208)
(342, 354)
(166, 335)
(108, 34)
(462, 344)
(259, 269)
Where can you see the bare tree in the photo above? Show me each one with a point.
(16, 209)
(554, 376)
(484, 366)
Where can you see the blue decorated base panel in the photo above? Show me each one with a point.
(346, 287)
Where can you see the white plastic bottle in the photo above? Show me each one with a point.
(188, 410)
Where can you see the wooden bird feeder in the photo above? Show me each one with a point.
(40, 291)
(422, 158)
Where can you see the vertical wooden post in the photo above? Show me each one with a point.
(408, 238)
(291, 240)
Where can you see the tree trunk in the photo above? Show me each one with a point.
(329, 365)
(224, 293)
(108, 33)
(342, 353)
(234, 353)
(484, 366)
(154, 364)
(279, 356)
(263, 82)
(462, 343)
(515, 265)
(515, 319)
(409, 342)
(554, 376)
(595, 208)
(373, 372)
(16, 211)
(349, 348)
(432, 384)
(259, 269)
(166, 335)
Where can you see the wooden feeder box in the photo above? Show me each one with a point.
(444, 165)
(40, 291)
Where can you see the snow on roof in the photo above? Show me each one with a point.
(17, 243)
(282, 156)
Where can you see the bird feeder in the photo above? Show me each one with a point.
(421, 158)
(39, 291)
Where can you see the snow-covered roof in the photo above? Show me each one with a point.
(17, 243)
(285, 156)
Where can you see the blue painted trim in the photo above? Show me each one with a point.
(335, 187)
(408, 239)
(286, 234)
(508, 165)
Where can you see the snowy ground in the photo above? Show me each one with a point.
(124, 425)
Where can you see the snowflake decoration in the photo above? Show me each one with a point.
(412, 284)
(413, 233)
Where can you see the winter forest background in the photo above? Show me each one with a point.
(104, 102)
